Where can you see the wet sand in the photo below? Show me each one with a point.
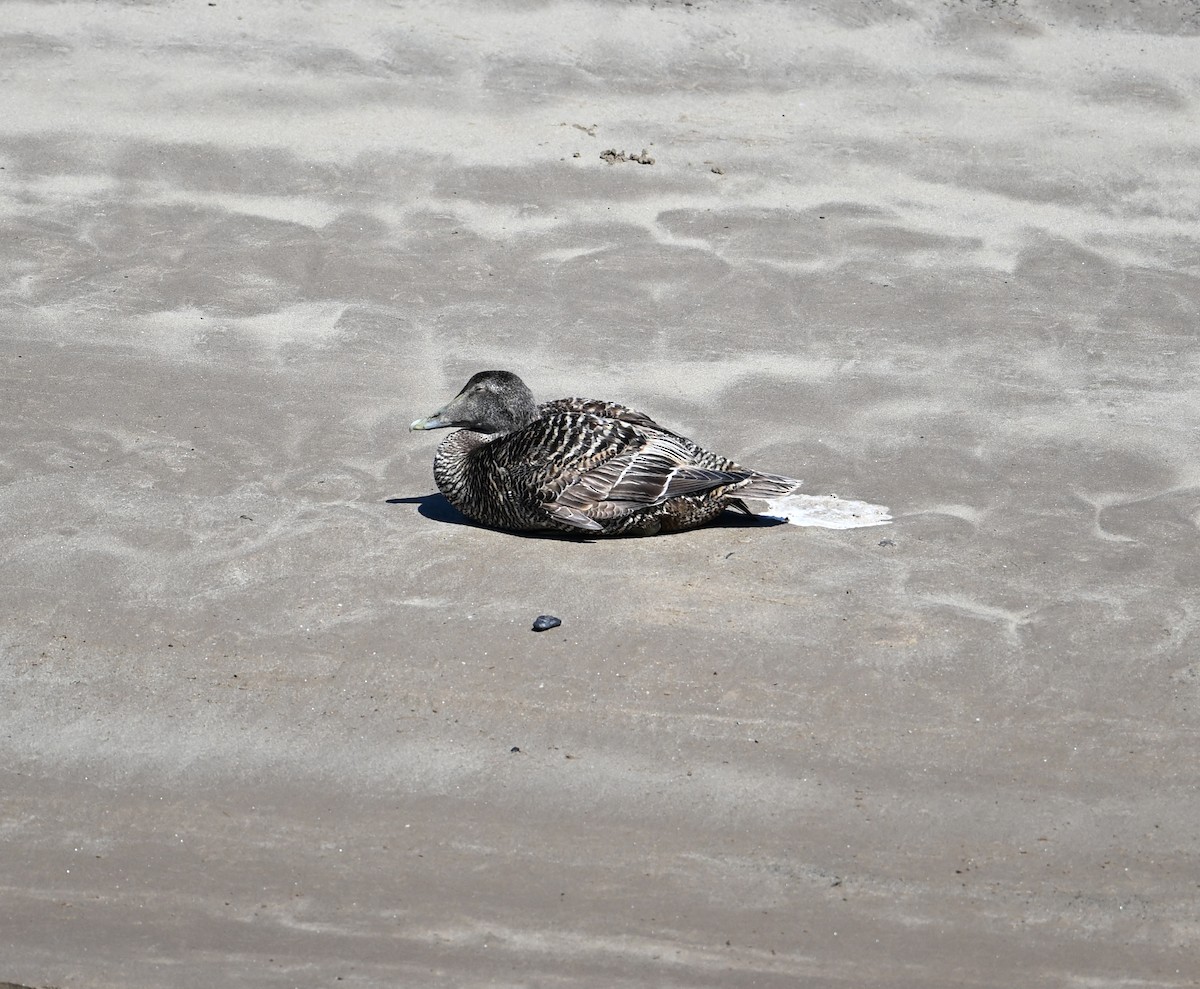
(274, 715)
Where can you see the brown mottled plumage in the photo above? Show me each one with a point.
(579, 466)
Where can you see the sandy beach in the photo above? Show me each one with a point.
(273, 712)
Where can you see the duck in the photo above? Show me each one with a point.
(588, 467)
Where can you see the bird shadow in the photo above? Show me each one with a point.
(437, 508)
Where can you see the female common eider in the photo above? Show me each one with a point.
(595, 468)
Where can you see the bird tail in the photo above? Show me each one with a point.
(782, 500)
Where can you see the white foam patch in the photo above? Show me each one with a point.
(307, 211)
(826, 511)
(306, 323)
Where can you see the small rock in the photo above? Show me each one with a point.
(543, 622)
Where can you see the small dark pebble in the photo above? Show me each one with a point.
(543, 622)
(515, 748)
(886, 542)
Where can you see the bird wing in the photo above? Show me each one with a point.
(581, 466)
(651, 469)
(604, 410)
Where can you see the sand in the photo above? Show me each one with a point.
(274, 715)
